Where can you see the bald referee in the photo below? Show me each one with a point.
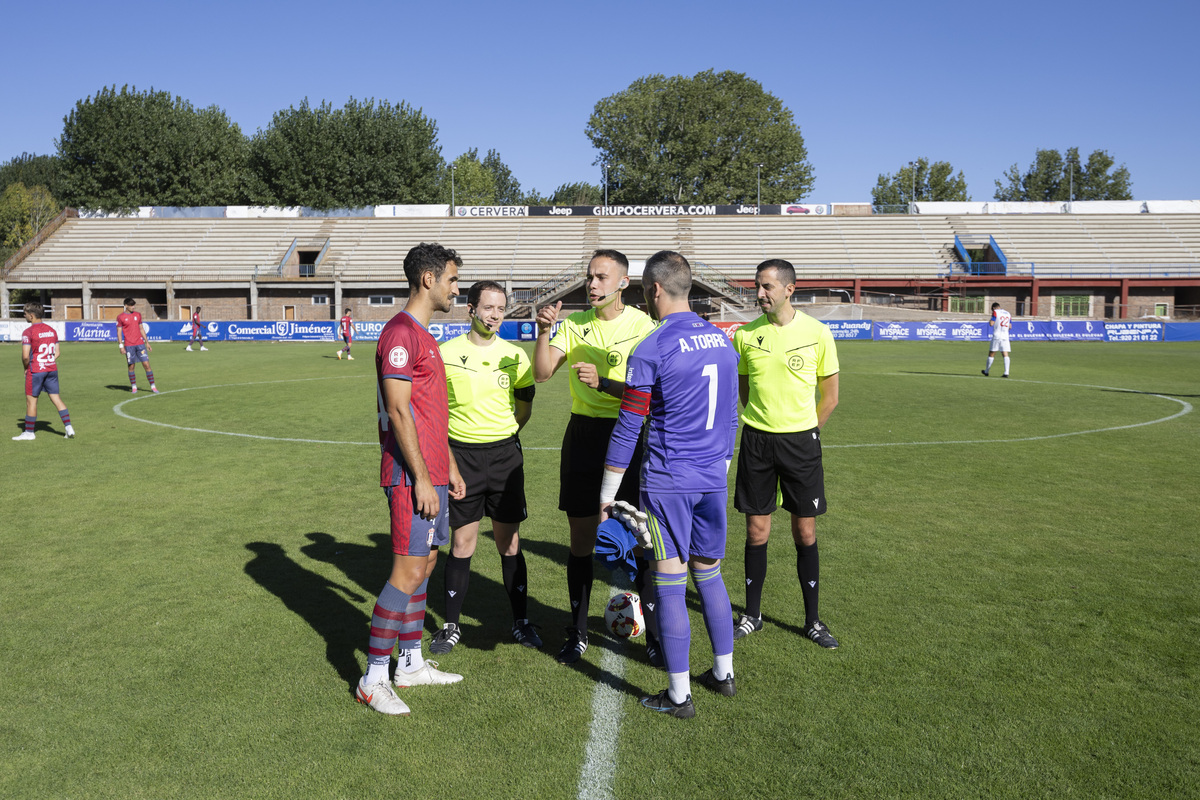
(788, 387)
(491, 390)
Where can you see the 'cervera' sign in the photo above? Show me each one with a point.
(491, 211)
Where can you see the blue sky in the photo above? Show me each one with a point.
(872, 85)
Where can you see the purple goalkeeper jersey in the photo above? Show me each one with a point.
(683, 375)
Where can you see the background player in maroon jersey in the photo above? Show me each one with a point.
(346, 329)
(134, 344)
(197, 330)
(39, 356)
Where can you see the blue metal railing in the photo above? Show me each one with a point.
(992, 267)
(961, 250)
(996, 249)
(972, 267)
(1181, 270)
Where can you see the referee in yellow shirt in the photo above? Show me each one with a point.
(596, 343)
(491, 390)
(788, 387)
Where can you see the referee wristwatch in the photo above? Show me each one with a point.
(604, 383)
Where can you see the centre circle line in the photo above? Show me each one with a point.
(118, 409)
(1187, 409)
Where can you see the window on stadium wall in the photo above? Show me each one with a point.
(967, 305)
(1072, 305)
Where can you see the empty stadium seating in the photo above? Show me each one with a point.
(527, 251)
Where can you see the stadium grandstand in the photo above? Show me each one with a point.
(1085, 260)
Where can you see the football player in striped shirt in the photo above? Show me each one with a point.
(418, 475)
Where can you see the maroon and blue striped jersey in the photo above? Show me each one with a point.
(408, 352)
(683, 376)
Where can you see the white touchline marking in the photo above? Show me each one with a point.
(598, 774)
(1187, 409)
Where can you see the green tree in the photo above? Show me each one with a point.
(31, 170)
(577, 194)
(1052, 174)
(535, 198)
(698, 140)
(474, 183)
(119, 150)
(923, 181)
(508, 188)
(365, 153)
(23, 212)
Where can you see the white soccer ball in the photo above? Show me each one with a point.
(623, 615)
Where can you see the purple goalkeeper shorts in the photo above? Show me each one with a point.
(686, 525)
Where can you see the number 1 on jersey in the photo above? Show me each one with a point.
(710, 371)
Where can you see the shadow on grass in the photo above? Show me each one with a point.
(787, 626)
(598, 636)
(41, 426)
(623, 649)
(487, 601)
(119, 387)
(320, 602)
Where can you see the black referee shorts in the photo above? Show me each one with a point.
(581, 466)
(495, 476)
(787, 464)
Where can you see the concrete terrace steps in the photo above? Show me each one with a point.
(1099, 239)
(528, 250)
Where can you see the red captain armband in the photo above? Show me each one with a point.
(635, 401)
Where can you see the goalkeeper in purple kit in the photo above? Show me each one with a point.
(683, 376)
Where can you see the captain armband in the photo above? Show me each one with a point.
(635, 401)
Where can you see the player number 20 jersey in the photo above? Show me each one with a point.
(43, 350)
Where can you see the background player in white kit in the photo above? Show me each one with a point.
(1001, 323)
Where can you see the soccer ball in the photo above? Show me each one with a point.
(623, 615)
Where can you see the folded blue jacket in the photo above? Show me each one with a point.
(614, 547)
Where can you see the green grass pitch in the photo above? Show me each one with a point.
(1012, 567)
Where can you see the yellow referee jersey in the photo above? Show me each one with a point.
(605, 343)
(481, 381)
(783, 364)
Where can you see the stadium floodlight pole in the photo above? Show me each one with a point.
(452, 188)
(760, 166)
(1070, 184)
(912, 174)
(605, 165)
